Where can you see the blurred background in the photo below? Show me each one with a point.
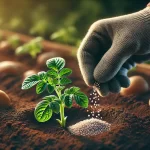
(63, 21)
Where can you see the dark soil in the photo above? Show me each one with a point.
(129, 116)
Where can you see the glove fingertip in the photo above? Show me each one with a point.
(114, 86)
(123, 80)
(102, 89)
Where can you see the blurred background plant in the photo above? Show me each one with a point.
(32, 47)
(65, 21)
(14, 41)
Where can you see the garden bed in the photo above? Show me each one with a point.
(129, 116)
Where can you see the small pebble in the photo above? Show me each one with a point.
(4, 100)
(11, 67)
(138, 85)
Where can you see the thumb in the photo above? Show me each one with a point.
(112, 61)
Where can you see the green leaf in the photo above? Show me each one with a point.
(56, 63)
(81, 99)
(50, 98)
(50, 88)
(59, 121)
(43, 112)
(33, 48)
(41, 86)
(38, 39)
(14, 41)
(42, 75)
(62, 97)
(55, 81)
(52, 73)
(65, 118)
(50, 81)
(68, 101)
(55, 106)
(72, 90)
(58, 101)
(30, 81)
(65, 81)
(59, 88)
(65, 72)
(34, 52)
(20, 50)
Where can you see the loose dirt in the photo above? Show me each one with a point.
(129, 116)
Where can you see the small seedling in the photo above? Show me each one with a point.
(66, 35)
(55, 80)
(32, 48)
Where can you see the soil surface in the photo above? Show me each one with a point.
(129, 116)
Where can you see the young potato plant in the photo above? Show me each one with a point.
(54, 81)
(33, 47)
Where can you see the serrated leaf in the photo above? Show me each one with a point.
(41, 86)
(65, 81)
(30, 81)
(56, 63)
(42, 75)
(81, 99)
(58, 101)
(68, 101)
(65, 72)
(72, 90)
(55, 81)
(50, 81)
(52, 73)
(50, 88)
(55, 106)
(50, 98)
(43, 112)
(60, 88)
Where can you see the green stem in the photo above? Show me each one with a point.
(62, 120)
(62, 117)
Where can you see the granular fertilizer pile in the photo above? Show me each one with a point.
(89, 127)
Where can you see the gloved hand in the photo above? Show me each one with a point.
(111, 47)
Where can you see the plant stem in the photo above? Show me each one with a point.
(62, 106)
(62, 117)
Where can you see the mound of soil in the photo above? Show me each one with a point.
(129, 116)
